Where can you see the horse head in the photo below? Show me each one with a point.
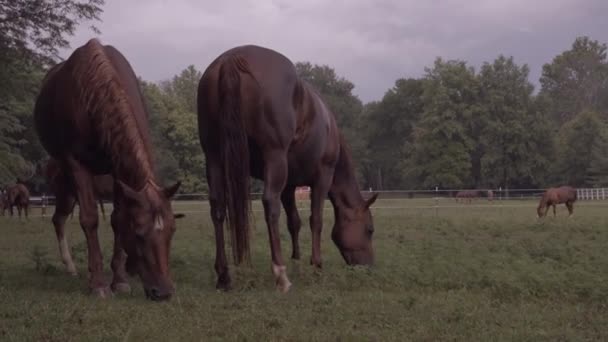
(352, 233)
(147, 227)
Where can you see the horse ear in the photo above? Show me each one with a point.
(371, 200)
(170, 191)
(128, 191)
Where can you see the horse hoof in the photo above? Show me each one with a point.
(121, 288)
(102, 292)
(223, 283)
(282, 282)
(316, 263)
(73, 272)
(284, 285)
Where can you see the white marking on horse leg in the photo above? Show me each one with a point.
(66, 257)
(280, 276)
(159, 224)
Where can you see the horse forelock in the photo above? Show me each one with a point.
(104, 98)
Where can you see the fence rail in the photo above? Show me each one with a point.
(434, 200)
(496, 194)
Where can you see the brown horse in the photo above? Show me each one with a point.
(490, 195)
(467, 195)
(3, 201)
(555, 196)
(64, 189)
(257, 118)
(90, 116)
(17, 196)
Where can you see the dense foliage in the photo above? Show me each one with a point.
(453, 127)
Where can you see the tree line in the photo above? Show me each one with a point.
(454, 127)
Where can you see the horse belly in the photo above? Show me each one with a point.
(303, 164)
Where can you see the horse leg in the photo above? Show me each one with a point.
(89, 222)
(275, 177)
(103, 211)
(554, 213)
(293, 220)
(63, 206)
(218, 215)
(570, 207)
(72, 211)
(317, 201)
(119, 259)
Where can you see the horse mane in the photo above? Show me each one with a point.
(344, 175)
(103, 97)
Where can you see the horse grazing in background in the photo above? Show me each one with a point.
(490, 195)
(3, 202)
(90, 117)
(64, 189)
(18, 196)
(467, 195)
(555, 196)
(257, 118)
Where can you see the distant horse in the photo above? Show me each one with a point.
(490, 195)
(18, 196)
(3, 202)
(467, 195)
(90, 116)
(555, 196)
(257, 117)
(64, 189)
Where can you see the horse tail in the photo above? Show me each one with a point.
(234, 156)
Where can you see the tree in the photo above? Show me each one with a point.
(172, 107)
(576, 137)
(577, 80)
(167, 167)
(389, 125)
(597, 172)
(37, 29)
(31, 33)
(441, 153)
(507, 137)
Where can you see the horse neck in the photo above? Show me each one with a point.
(543, 201)
(344, 192)
(128, 147)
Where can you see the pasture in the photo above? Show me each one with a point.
(481, 272)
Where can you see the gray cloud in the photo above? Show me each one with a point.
(371, 43)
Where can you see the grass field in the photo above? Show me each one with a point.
(468, 273)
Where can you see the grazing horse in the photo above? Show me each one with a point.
(3, 202)
(90, 117)
(555, 196)
(257, 118)
(64, 189)
(19, 196)
(490, 195)
(467, 195)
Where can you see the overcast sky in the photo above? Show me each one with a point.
(370, 42)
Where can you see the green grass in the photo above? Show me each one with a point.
(486, 272)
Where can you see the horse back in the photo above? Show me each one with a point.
(130, 85)
(84, 100)
(279, 111)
